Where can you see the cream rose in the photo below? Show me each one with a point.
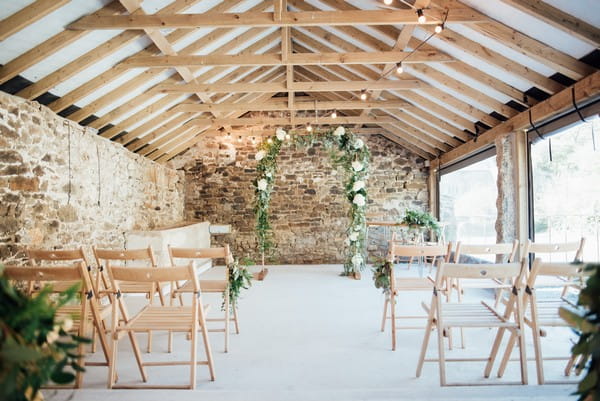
(359, 144)
(262, 184)
(280, 133)
(339, 131)
(359, 200)
(357, 166)
(260, 155)
(358, 185)
(353, 237)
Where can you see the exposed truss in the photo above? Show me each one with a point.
(303, 63)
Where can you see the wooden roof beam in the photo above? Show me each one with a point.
(268, 19)
(28, 15)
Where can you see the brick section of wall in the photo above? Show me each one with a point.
(308, 207)
(63, 186)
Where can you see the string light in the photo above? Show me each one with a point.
(387, 2)
(309, 127)
(363, 95)
(269, 141)
(439, 28)
(399, 69)
(288, 137)
(334, 114)
(421, 17)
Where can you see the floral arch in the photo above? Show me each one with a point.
(347, 152)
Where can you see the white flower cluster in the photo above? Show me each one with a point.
(262, 184)
(339, 131)
(281, 134)
(260, 155)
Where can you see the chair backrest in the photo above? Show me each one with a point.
(570, 270)
(124, 255)
(478, 271)
(575, 248)
(395, 250)
(202, 253)
(149, 275)
(40, 256)
(50, 275)
(506, 251)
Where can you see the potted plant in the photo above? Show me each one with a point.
(35, 346)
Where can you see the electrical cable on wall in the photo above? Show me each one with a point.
(582, 118)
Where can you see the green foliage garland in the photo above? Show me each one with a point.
(382, 270)
(239, 278)
(347, 152)
(586, 322)
(34, 345)
(417, 219)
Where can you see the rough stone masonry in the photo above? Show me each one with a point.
(63, 186)
(308, 206)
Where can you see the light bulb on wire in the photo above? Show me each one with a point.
(399, 69)
(309, 127)
(439, 28)
(421, 17)
(387, 2)
(363, 95)
(334, 114)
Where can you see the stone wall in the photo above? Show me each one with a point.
(63, 186)
(308, 207)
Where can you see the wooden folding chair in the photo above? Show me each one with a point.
(44, 256)
(540, 313)
(107, 257)
(187, 319)
(446, 315)
(211, 286)
(402, 284)
(61, 278)
(478, 253)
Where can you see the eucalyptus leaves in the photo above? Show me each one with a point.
(346, 151)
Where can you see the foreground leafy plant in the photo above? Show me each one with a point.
(418, 219)
(239, 278)
(586, 323)
(35, 346)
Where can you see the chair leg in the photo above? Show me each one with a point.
(424, 347)
(393, 318)
(112, 366)
(523, 356)
(537, 348)
(385, 306)
(507, 352)
(207, 348)
(138, 355)
(193, 356)
(227, 313)
(494, 352)
(441, 356)
(235, 319)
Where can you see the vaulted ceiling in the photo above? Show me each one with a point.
(158, 75)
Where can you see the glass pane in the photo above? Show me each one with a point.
(468, 203)
(566, 190)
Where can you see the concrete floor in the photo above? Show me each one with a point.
(309, 334)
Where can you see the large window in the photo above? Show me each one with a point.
(467, 201)
(566, 190)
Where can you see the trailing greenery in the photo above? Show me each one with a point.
(35, 347)
(586, 323)
(239, 278)
(418, 219)
(382, 270)
(347, 152)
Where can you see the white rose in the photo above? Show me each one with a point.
(52, 336)
(260, 155)
(353, 237)
(67, 324)
(357, 260)
(358, 185)
(280, 134)
(359, 200)
(268, 174)
(357, 166)
(262, 184)
(339, 131)
(347, 241)
(358, 144)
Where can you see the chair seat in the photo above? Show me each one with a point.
(168, 318)
(472, 315)
(548, 313)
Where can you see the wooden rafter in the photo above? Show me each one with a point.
(229, 20)
(28, 15)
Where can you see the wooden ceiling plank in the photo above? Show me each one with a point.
(89, 58)
(281, 121)
(496, 59)
(435, 108)
(293, 59)
(423, 127)
(415, 141)
(108, 76)
(558, 19)
(407, 145)
(28, 15)
(267, 19)
(417, 133)
(585, 89)
(284, 106)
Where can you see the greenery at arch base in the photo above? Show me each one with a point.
(347, 152)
